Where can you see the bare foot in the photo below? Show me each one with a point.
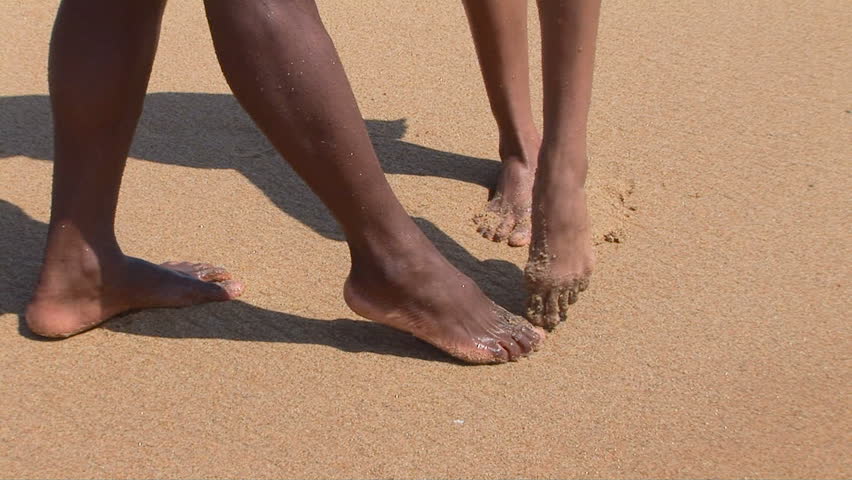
(561, 255)
(80, 293)
(506, 216)
(426, 296)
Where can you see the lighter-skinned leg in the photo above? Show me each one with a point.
(561, 255)
(499, 29)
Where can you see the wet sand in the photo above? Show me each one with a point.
(710, 344)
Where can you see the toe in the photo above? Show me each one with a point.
(572, 295)
(484, 229)
(182, 267)
(583, 284)
(520, 236)
(511, 346)
(525, 342)
(213, 274)
(200, 271)
(505, 229)
(490, 352)
(564, 301)
(528, 338)
(223, 291)
(535, 308)
(233, 287)
(519, 239)
(551, 309)
(538, 335)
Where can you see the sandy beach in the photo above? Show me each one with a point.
(711, 342)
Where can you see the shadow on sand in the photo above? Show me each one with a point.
(174, 128)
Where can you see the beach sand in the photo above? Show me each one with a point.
(710, 344)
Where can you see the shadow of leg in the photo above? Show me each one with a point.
(21, 245)
(21, 250)
(211, 131)
(400, 157)
(241, 321)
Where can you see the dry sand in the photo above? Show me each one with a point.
(711, 344)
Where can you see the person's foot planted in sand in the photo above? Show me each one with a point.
(542, 177)
(284, 70)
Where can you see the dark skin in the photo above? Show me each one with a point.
(539, 198)
(284, 70)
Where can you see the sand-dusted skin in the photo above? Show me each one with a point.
(557, 272)
(284, 70)
(420, 293)
(548, 174)
(506, 215)
(499, 30)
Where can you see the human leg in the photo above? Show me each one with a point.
(499, 29)
(561, 253)
(284, 70)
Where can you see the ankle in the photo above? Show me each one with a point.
(68, 247)
(395, 258)
(520, 147)
(563, 169)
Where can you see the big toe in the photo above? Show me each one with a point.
(521, 235)
(203, 292)
(230, 289)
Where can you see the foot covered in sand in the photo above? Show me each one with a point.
(561, 255)
(506, 216)
(82, 291)
(424, 295)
